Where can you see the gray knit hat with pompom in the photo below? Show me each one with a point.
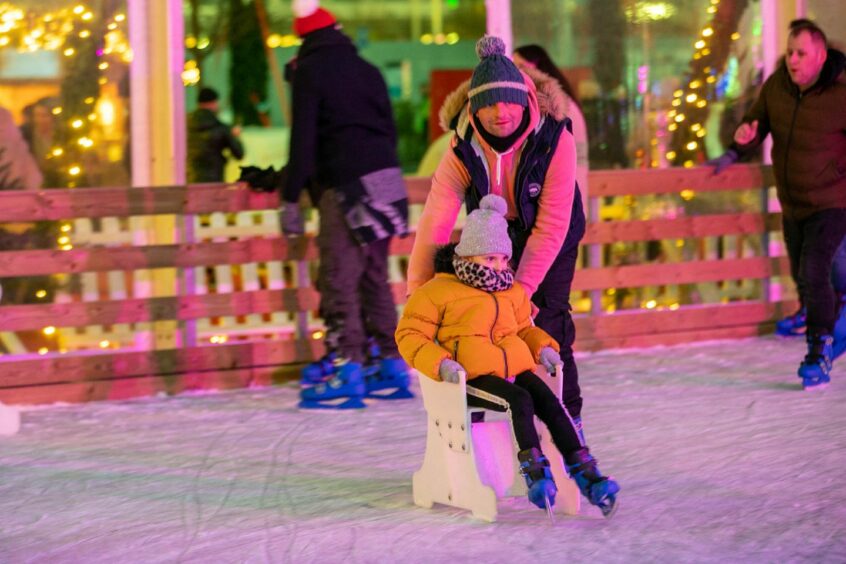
(495, 78)
(486, 230)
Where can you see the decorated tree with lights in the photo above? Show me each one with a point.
(248, 70)
(691, 102)
(609, 28)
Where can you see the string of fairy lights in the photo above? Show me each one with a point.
(89, 45)
(690, 102)
(77, 33)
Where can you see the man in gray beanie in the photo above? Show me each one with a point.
(473, 319)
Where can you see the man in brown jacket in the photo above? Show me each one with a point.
(803, 105)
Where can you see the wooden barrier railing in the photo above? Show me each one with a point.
(82, 375)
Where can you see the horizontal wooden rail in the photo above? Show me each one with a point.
(102, 259)
(131, 364)
(182, 308)
(682, 227)
(226, 256)
(632, 182)
(633, 276)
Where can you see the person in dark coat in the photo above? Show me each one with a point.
(209, 139)
(343, 149)
(802, 106)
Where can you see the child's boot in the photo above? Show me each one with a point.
(598, 489)
(391, 376)
(346, 384)
(535, 468)
(792, 325)
(815, 368)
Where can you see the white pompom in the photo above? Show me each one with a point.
(304, 8)
(490, 45)
(10, 420)
(494, 203)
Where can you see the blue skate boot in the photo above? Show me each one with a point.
(598, 489)
(389, 380)
(535, 469)
(346, 384)
(319, 371)
(816, 366)
(838, 347)
(792, 325)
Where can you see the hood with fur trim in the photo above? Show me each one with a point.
(546, 98)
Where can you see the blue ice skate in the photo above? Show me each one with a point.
(319, 371)
(792, 325)
(599, 490)
(816, 366)
(534, 467)
(838, 347)
(347, 384)
(388, 379)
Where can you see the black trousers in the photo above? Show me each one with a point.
(526, 397)
(811, 245)
(553, 299)
(355, 298)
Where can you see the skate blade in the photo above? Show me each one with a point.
(399, 393)
(354, 402)
(610, 507)
(815, 387)
(549, 511)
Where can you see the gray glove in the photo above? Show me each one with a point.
(450, 371)
(723, 161)
(291, 220)
(550, 359)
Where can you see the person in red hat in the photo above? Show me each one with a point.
(343, 149)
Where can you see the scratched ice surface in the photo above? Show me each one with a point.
(721, 457)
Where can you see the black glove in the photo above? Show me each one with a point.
(723, 161)
(291, 220)
(262, 179)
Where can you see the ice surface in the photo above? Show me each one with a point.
(10, 420)
(721, 456)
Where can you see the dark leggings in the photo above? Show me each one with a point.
(527, 397)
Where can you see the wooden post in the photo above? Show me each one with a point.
(158, 137)
(499, 21)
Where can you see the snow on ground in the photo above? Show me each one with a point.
(721, 457)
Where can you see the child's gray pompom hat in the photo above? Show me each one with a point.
(486, 230)
(496, 78)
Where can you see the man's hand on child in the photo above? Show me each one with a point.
(550, 359)
(450, 371)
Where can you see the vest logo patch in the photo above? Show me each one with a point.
(534, 189)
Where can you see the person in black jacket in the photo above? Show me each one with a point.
(343, 149)
(208, 139)
(802, 106)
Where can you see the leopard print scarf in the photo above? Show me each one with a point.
(482, 277)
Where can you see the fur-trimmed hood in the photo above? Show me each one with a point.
(545, 94)
(443, 259)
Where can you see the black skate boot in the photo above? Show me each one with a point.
(815, 368)
(599, 490)
(535, 468)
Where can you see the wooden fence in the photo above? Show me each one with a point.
(243, 310)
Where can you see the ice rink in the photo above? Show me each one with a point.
(720, 454)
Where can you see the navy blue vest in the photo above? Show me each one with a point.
(528, 182)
